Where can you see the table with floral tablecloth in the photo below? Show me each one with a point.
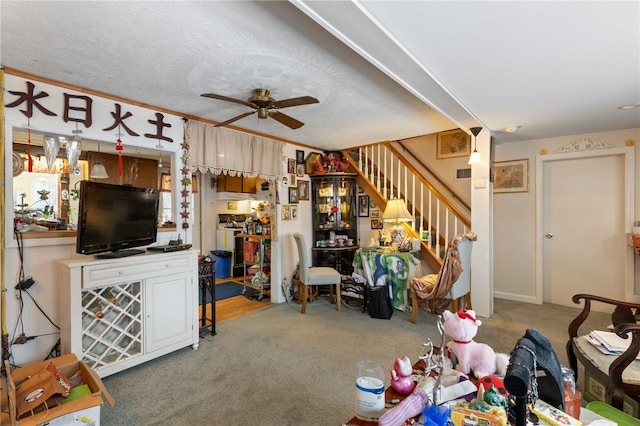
(391, 268)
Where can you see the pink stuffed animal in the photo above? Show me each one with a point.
(402, 376)
(474, 357)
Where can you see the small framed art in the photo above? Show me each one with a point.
(300, 170)
(363, 205)
(299, 156)
(511, 176)
(453, 143)
(294, 212)
(303, 190)
(377, 224)
(294, 195)
(286, 212)
(291, 165)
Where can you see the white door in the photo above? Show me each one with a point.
(169, 310)
(583, 227)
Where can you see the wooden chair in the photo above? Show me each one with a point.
(460, 292)
(618, 375)
(319, 275)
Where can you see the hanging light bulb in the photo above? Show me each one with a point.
(160, 165)
(98, 170)
(475, 155)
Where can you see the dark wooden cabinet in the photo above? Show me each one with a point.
(138, 172)
(226, 183)
(335, 222)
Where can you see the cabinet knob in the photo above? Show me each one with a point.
(120, 272)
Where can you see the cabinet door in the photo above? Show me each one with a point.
(111, 324)
(249, 185)
(168, 310)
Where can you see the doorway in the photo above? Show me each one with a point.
(584, 210)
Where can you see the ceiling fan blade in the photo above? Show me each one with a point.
(302, 100)
(224, 123)
(286, 120)
(228, 99)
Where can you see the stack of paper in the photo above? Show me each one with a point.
(608, 343)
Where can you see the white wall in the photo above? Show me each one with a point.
(514, 214)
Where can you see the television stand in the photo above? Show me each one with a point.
(119, 253)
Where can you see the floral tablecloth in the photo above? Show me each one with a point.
(393, 269)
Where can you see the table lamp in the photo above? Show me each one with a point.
(396, 212)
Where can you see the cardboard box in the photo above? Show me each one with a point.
(85, 410)
(250, 250)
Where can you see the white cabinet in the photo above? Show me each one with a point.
(117, 313)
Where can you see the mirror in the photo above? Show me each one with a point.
(45, 187)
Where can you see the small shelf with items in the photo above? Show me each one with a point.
(257, 263)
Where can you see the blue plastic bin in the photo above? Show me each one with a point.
(222, 266)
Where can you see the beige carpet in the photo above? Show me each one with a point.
(279, 367)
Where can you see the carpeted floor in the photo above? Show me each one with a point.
(279, 367)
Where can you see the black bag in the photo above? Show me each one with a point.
(379, 302)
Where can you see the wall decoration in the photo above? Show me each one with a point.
(232, 205)
(363, 205)
(300, 170)
(286, 212)
(374, 212)
(377, 224)
(291, 165)
(511, 176)
(313, 163)
(453, 143)
(303, 190)
(294, 212)
(292, 180)
(299, 156)
(294, 195)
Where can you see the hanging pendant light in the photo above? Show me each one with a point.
(74, 148)
(160, 165)
(98, 170)
(475, 155)
(51, 146)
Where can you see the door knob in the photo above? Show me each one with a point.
(548, 235)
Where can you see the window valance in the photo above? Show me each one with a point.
(219, 150)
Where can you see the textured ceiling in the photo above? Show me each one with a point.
(381, 70)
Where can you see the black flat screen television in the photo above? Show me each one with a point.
(112, 219)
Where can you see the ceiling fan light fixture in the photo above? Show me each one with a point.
(475, 155)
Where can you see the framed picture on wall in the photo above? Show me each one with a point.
(300, 170)
(511, 176)
(294, 195)
(453, 143)
(377, 224)
(286, 212)
(303, 190)
(363, 205)
(299, 156)
(294, 212)
(291, 165)
(374, 212)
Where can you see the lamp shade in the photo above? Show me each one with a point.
(396, 211)
(98, 171)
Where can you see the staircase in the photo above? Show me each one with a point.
(389, 170)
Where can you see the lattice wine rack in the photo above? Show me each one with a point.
(111, 324)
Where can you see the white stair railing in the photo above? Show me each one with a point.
(431, 210)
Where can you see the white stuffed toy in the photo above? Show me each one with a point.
(478, 358)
